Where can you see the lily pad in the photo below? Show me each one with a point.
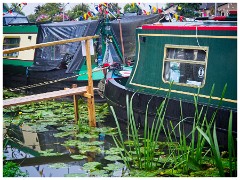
(49, 152)
(114, 150)
(113, 158)
(99, 173)
(105, 130)
(75, 175)
(71, 143)
(79, 157)
(85, 135)
(39, 128)
(63, 134)
(68, 128)
(91, 166)
(114, 167)
(95, 143)
(84, 149)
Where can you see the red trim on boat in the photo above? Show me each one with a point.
(190, 28)
(232, 12)
(219, 18)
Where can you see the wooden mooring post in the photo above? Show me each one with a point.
(75, 91)
(90, 101)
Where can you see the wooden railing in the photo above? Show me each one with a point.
(87, 92)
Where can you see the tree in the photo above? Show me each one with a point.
(113, 7)
(16, 8)
(50, 9)
(188, 9)
(78, 10)
(32, 17)
(131, 8)
(5, 7)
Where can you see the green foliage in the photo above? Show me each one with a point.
(188, 10)
(78, 157)
(129, 8)
(143, 173)
(184, 158)
(11, 169)
(16, 8)
(49, 9)
(99, 173)
(49, 152)
(143, 157)
(112, 158)
(114, 167)
(78, 10)
(91, 166)
(114, 151)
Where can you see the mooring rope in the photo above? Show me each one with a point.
(198, 42)
(52, 81)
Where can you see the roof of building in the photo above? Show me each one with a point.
(209, 5)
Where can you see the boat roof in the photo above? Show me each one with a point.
(199, 25)
(67, 23)
(13, 14)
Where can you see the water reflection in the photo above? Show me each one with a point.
(25, 152)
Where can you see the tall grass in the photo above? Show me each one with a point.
(142, 156)
(188, 155)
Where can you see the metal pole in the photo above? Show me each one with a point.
(121, 39)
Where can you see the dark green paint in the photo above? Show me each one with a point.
(221, 64)
(17, 62)
(29, 29)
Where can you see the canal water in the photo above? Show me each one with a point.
(26, 146)
(43, 139)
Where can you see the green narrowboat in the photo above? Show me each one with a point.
(189, 57)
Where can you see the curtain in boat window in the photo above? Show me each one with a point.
(185, 65)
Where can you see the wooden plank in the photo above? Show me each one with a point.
(91, 106)
(44, 96)
(8, 51)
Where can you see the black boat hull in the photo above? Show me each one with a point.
(115, 94)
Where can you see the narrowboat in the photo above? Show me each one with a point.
(66, 61)
(17, 32)
(189, 58)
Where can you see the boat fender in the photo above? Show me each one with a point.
(101, 88)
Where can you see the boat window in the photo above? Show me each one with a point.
(11, 42)
(185, 65)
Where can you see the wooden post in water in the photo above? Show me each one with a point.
(90, 101)
(75, 102)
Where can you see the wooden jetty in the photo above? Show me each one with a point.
(86, 91)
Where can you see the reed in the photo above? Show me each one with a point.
(141, 156)
(188, 155)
